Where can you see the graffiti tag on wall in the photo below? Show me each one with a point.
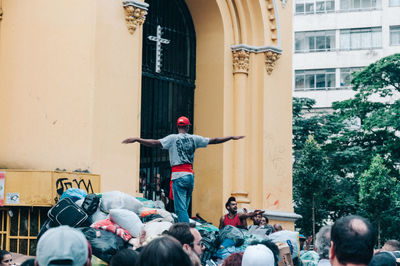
(62, 184)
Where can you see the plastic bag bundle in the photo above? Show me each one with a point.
(119, 200)
(74, 193)
(210, 242)
(127, 220)
(104, 244)
(155, 229)
(233, 233)
(287, 237)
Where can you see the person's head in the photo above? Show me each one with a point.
(197, 244)
(188, 236)
(62, 245)
(124, 257)
(277, 227)
(271, 245)
(183, 124)
(5, 258)
(264, 220)
(257, 219)
(383, 258)
(161, 251)
(391, 245)
(352, 241)
(235, 259)
(231, 205)
(181, 232)
(258, 255)
(323, 241)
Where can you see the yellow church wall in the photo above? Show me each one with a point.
(277, 137)
(209, 117)
(268, 131)
(46, 81)
(70, 89)
(117, 99)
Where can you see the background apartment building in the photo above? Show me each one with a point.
(333, 38)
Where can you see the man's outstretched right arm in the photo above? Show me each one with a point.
(224, 139)
(145, 142)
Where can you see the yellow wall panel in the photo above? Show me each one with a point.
(42, 188)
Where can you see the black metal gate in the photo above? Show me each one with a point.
(168, 82)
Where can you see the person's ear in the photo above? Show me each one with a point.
(186, 247)
(331, 252)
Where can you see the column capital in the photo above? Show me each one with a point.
(270, 60)
(241, 61)
(135, 14)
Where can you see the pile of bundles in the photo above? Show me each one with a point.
(219, 245)
(112, 221)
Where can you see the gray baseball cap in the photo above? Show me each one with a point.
(62, 245)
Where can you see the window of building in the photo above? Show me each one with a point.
(352, 5)
(394, 2)
(346, 75)
(365, 38)
(319, 79)
(394, 35)
(314, 6)
(314, 41)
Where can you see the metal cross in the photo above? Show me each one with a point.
(158, 41)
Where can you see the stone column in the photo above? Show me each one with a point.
(241, 59)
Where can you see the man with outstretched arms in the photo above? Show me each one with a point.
(182, 147)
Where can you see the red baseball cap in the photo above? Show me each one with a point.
(183, 121)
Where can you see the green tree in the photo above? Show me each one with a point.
(377, 192)
(342, 194)
(359, 128)
(373, 123)
(381, 77)
(305, 123)
(310, 182)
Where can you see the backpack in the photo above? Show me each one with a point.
(67, 212)
(91, 203)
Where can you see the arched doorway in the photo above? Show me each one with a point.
(168, 82)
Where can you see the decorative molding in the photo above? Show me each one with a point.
(282, 216)
(273, 22)
(272, 54)
(270, 60)
(241, 61)
(256, 49)
(135, 14)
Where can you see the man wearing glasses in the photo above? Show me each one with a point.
(188, 236)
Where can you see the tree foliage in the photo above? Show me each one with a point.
(311, 177)
(359, 131)
(377, 192)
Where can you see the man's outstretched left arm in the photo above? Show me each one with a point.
(224, 139)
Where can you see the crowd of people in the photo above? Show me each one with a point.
(112, 233)
(349, 241)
